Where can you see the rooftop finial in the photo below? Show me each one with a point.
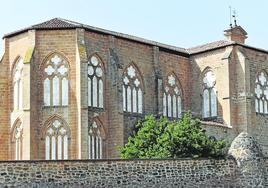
(234, 17)
(231, 23)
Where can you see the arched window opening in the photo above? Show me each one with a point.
(261, 93)
(56, 84)
(95, 82)
(17, 141)
(209, 95)
(132, 90)
(18, 86)
(172, 105)
(95, 141)
(56, 140)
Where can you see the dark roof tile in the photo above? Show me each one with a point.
(210, 46)
(59, 23)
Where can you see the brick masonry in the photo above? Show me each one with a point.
(234, 65)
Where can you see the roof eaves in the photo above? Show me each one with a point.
(136, 39)
(252, 47)
(211, 49)
(74, 25)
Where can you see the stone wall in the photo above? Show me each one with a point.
(245, 167)
(120, 173)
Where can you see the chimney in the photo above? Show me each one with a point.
(236, 34)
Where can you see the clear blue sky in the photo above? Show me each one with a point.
(181, 23)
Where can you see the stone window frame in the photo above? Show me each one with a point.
(65, 63)
(100, 82)
(131, 83)
(17, 83)
(17, 139)
(47, 135)
(210, 89)
(262, 99)
(172, 87)
(96, 134)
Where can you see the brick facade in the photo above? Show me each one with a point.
(234, 64)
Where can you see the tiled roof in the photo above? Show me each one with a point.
(56, 23)
(210, 46)
(59, 23)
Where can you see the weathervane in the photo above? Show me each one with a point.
(233, 17)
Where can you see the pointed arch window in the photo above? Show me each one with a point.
(172, 105)
(18, 86)
(95, 141)
(261, 93)
(56, 140)
(209, 95)
(17, 141)
(95, 82)
(56, 82)
(132, 90)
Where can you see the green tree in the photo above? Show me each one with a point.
(162, 138)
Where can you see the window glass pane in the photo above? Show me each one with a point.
(213, 102)
(65, 92)
(56, 91)
(206, 111)
(47, 92)
(65, 147)
(95, 91)
(59, 147)
(261, 106)
(256, 105)
(129, 103)
(140, 101)
(164, 105)
(124, 99)
(179, 106)
(100, 94)
(89, 91)
(174, 107)
(93, 147)
(89, 147)
(265, 106)
(47, 148)
(100, 140)
(53, 148)
(169, 105)
(134, 100)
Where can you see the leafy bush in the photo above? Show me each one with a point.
(172, 139)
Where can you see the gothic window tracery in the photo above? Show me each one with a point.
(18, 86)
(56, 140)
(209, 95)
(56, 84)
(95, 82)
(17, 139)
(172, 105)
(261, 93)
(95, 141)
(132, 91)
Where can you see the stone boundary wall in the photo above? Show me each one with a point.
(120, 173)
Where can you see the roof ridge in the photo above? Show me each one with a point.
(209, 46)
(60, 23)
